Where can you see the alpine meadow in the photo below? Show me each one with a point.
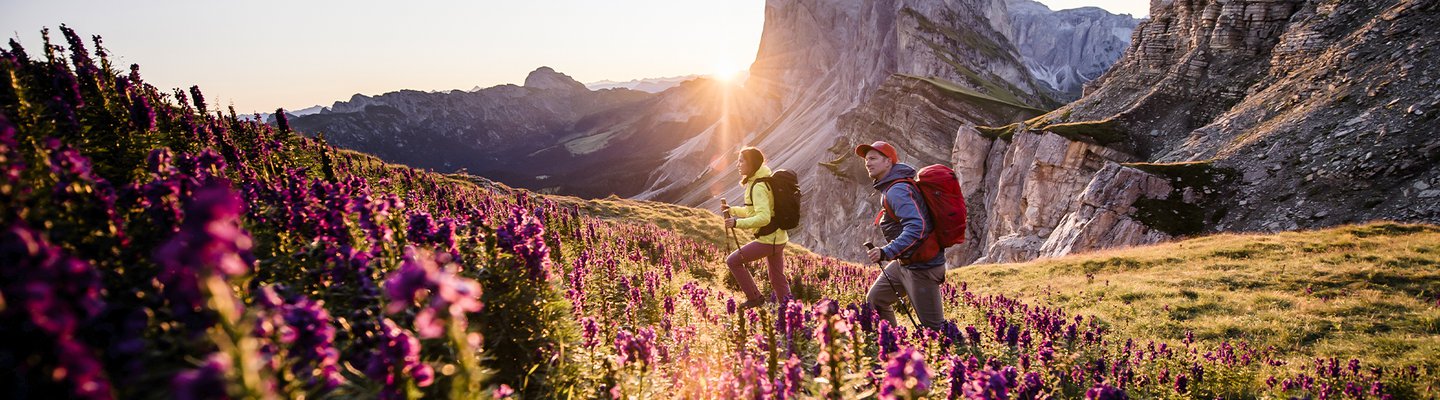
(156, 245)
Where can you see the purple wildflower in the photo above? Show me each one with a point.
(397, 357)
(957, 376)
(987, 384)
(210, 243)
(79, 54)
(524, 235)
(972, 334)
(11, 165)
(199, 100)
(450, 297)
(888, 340)
(905, 375)
(1105, 392)
(142, 114)
(45, 288)
(590, 332)
(791, 379)
(637, 348)
(282, 122)
(1030, 387)
(306, 331)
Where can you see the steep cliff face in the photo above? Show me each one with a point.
(1224, 115)
(1067, 48)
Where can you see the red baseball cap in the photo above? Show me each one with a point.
(880, 146)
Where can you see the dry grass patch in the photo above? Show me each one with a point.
(1369, 292)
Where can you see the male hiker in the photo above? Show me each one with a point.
(905, 222)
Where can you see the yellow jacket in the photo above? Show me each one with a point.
(757, 212)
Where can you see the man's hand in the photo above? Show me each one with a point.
(730, 222)
(874, 254)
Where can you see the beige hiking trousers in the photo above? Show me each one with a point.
(921, 286)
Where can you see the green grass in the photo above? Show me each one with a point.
(1367, 292)
(1006, 132)
(995, 96)
(1102, 132)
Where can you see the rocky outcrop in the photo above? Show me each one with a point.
(1067, 48)
(1101, 216)
(1231, 115)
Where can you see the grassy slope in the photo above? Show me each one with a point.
(1367, 292)
(1370, 292)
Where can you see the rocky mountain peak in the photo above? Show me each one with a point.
(1067, 48)
(548, 78)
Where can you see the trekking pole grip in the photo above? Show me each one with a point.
(871, 246)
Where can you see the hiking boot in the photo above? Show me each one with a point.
(752, 303)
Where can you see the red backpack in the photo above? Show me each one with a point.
(940, 188)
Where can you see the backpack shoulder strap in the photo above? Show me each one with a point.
(885, 199)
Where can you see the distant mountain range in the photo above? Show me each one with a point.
(551, 134)
(650, 85)
(269, 118)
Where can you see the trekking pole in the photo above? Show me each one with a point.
(725, 214)
(909, 310)
(732, 230)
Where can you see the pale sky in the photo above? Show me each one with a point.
(263, 54)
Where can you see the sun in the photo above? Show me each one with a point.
(728, 72)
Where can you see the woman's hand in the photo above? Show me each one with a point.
(874, 254)
(730, 222)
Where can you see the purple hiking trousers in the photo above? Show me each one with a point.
(774, 255)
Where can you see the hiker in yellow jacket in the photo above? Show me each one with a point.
(758, 209)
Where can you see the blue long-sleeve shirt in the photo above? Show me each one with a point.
(911, 221)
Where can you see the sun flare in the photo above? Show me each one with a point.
(728, 71)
